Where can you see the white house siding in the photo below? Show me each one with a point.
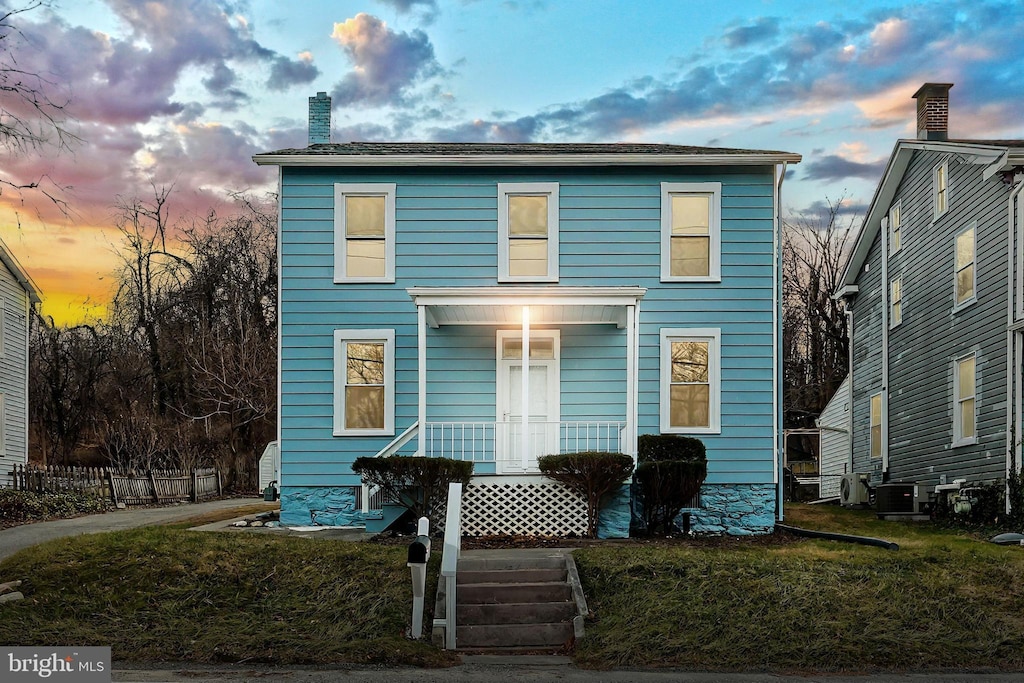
(834, 425)
(932, 335)
(13, 379)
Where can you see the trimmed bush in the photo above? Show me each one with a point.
(671, 472)
(418, 484)
(17, 507)
(592, 474)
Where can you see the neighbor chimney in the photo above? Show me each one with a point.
(933, 111)
(320, 119)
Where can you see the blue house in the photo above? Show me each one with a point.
(638, 285)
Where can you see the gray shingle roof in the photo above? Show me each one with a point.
(497, 149)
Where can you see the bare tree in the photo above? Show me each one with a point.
(815, 336)
(33, 116)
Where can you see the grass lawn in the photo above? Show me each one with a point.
(943, 601)
(167, 594)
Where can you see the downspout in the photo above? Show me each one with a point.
(849, 413)
(777, 344)
(280, 336)
(1013, 350)
(885, 348)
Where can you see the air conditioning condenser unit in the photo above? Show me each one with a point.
(853, 489)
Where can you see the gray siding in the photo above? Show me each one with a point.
(13, 381)
(922, 349)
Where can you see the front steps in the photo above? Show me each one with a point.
(508, 600)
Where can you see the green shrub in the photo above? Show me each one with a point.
(660, 447)
(418, 484)
(17, 507)
(671, 472)
(592, 474)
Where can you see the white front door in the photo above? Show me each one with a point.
(544, 398)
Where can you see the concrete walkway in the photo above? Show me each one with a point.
(20, 537)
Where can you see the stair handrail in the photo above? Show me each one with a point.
(393, 447)
(450, 559)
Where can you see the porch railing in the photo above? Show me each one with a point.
(493, 441)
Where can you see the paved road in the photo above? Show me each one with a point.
(20, 537)
(513, 670)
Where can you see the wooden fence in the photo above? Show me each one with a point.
(128, 488)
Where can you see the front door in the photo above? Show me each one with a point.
(544, 398)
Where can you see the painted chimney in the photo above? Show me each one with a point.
(933, 111)
(320, 119)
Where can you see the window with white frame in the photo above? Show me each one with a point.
(875, 442)
(364, 382)
(364, 232)
(691, 384)
(527, 232)
(896, 302)
(895, 228)
(940, 189)
(964, 407)
(965, 277)
(691, 232)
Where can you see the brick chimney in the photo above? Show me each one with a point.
(320, 119)
(933, 111)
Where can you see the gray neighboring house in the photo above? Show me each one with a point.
(18, 294)
(934, 286)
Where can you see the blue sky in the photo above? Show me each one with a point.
(185, 91)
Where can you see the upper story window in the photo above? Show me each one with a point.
(875, 440)
(896, 302)
(527, 232)
(364, 232)
(364, 382)
(964, 407)
(940, 188)
(691, 391)
(895, 228)
(965, 278)
(691, 232)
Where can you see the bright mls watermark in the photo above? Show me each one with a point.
(79, 664)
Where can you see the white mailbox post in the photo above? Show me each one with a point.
(419, 555)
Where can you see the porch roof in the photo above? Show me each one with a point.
(503, 305)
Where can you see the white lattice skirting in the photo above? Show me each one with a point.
(523, 509)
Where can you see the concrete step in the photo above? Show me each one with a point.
(506, 593)
(487, 563)
(514, 635)
(512, 575)
(516, 613)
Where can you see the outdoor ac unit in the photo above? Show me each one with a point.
(853, 489)
(905, 498)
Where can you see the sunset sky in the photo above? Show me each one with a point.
(184, 92)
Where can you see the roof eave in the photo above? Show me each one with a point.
(398, 160)
(20, 274)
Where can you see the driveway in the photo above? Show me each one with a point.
(20, 537)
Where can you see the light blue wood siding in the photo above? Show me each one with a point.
(609, 235)
(13, 380)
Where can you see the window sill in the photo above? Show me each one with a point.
(506, 280)
(966, 304)
(692, 430)
(702, 278)
(965, 442)
(364, 432)
(364, 280)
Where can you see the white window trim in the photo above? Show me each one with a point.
(881, 431)
(3, 321)
(936, 213)
(898, 209)
(341, 190)
(958, 439)
(974, 285)
(713, 336)
(3, 426)
(893, 301)
(340, 338)
(551, 191)
(714, 230)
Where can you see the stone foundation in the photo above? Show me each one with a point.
(735, 509)
(320, 506)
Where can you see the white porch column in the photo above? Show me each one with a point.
(525, 438)
(421, 373)
(629, 438)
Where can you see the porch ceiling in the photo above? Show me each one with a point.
(548, 305)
